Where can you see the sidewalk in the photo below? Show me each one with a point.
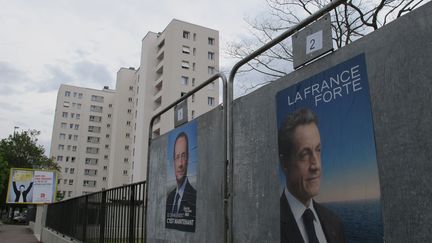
(16, 234)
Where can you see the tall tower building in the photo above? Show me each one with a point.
(100, 137)
(81, 139)
(172, 63)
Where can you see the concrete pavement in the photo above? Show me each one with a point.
(10, 233)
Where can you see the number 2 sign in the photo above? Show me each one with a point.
(314, 42)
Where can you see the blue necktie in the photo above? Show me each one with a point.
(176, 202)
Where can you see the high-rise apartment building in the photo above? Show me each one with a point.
(172, 63)
(81, 139)
(104, 143)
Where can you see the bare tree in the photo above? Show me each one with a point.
(350, 21)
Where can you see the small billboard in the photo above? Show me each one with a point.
(30, 186)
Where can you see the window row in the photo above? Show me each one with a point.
(67, 104)
(75, 94)
(64, 125)
(63, 136)
(69, 170)
(72, 115)
(96, 108)
(187, 35)
(60, 158)
(68, 147)
(97, 98)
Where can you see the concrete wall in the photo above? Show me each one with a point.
(210, 175)
(398, 59)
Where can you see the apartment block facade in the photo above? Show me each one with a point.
(81, 139)
(172, 63)
(103, 143)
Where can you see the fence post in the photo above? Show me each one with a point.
(102, 218)
(85, 219)
(132, 214)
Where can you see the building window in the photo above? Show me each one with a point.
(186, 34)
(76, 126)
(105, 156)
(210, 70)
(192, 114)
(66, 104)
(72, 115)
(91, 161)
(97, 98)
(68, 147)
(80, 95)
(63, 125)
(125, 172)
(92, 150)
(59, 158)
(72, 170)
(182, 94)
(95, 118)
(210, 55)
(184, 80)
(89, 183)
(78, 106)
(193, 97)
(109, 115)
(73, 159)
(128, 123)
(71, 126)
(74, 148)
(78, 116)
(67, 158)
(62, 136)
(105, 167)
(71, 181)
(110, 106)
(194, 51)
(108, 125)
(90, 172)
(96, 108)
(130, 99)
(106, 146)
(193, 82)
(127, 147)
(126, 160)
(129, 111)
(127, 135)
(186, 50)
(93, 139)
(194, 36)
(64, 114)
(67, 93)
(185, 65)
(211, 41)
(75, 137)
(66, 170)
(210, 101)
(107, 136)
(61, 147)
(74, 94)
(94, 129)
(104, 179)
(131, 88)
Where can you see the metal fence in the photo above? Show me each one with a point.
(114, 215)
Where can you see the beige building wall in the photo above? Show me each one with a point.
(122, 133)
(182, 51)
(81, 139)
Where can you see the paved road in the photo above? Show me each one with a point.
(16, 234)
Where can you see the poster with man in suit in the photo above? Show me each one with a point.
(329, 184)
(181, 178)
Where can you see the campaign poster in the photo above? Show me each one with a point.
(327, 158)
(181, 178)
(28, 186)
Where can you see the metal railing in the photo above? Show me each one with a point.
(114, 215)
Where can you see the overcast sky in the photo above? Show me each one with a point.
(46, 43)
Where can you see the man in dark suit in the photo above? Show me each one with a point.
(302, 219)
(181, 201)
(21, 193)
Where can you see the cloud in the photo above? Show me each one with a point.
(10, 77)
(10, 107)
(83, 73)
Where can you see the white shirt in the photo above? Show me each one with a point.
(180, 191)
(297, 208)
